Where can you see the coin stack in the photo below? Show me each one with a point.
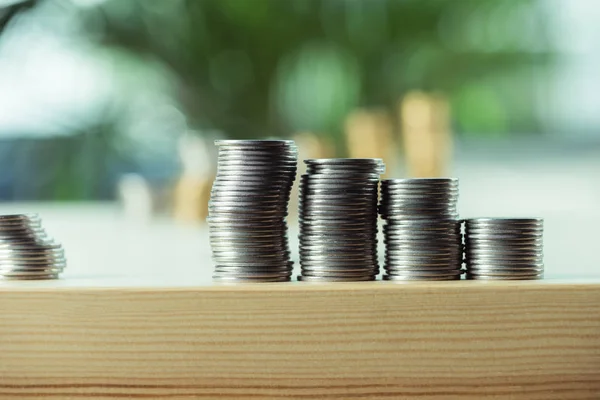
(247, 210)
(338, 219)
(502, 249)
(422, 234)
(26, 252)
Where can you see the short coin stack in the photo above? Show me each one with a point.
(502, 249)
(338, 219)
(422, 233)
(26, 252)
(247, 210)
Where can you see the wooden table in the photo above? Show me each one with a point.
(182, 337)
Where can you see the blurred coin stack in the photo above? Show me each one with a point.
(26, 252)
(503, 249)
(247, 210)
(338, 219)
(422, 233)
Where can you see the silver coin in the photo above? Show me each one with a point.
(412, 278)
(491, 270)
(29, 244)
(398, 269)
(340, 209)
(23, 224)
(255, 142)
(504, 234)
(240, 160)
(341, 275)
(235, 279)
(502, 221)
(408, 209)
(321, 229)
(251, 170)
(505, 247)
(281, 271)
(242, 195)
(449, 270)
(249, 265)
(30, 271)
(242, 236)
(5, 266)
(394, 194)
(496, 256)
(248, 205)
(343, 167)
(315, 201)
(31, 258)
(503, 278)
(334, 237)
(432, 256)
(325, 219)
(246, 209)
(255, 178)
(249, 250)
(431, 224)
(279, 240)
(256, 265)
(253, 275)
(416, 217)
(344, 161)
(258, 258)
(420, 182)
(256, 218)
(18, 217)
(336, 279)
(372, 264)
(348, 256)
(421, 240)
(259, 155)
(337, 181)
(422, 261)
(32, 277)
(246, 227)
(327, 247)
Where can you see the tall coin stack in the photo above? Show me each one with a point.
(338, 219)
(502, 249)
(422, 234)
(26, 252)
(247, 210)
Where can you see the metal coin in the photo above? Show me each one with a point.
(336, 279)
(409, 278)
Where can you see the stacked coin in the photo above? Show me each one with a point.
(247, 210)
(501, 249)
(338, 219)
(26, 251)
(422, 234)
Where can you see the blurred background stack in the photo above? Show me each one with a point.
(113, 104)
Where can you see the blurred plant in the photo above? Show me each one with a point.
(10, 8)
(247, 68)
(261, 67)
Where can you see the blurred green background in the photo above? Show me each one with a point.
(94, 89)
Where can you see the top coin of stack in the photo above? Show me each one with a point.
(338, 219)
(248, 207)
(422, 234)
(504, 248)
(26, 252)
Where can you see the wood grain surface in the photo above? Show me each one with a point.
(453, 340)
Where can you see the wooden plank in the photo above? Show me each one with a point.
(445, 340)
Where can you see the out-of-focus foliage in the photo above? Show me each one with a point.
(102, 87)
(258, 67)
